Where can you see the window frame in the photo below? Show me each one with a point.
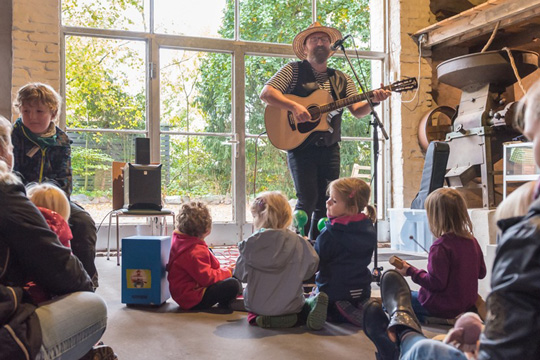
(238, 49)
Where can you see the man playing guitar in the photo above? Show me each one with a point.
(317, 162)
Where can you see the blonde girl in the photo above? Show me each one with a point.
(449, 286)
(274, 262)
(54, 206)
(345, 247)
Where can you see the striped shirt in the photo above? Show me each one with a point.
(286, 78)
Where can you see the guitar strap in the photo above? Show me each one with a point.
(333, 85)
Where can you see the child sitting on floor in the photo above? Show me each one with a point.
(196, 280)
(345, 247)
(54, 206)
(274, 261)
(449, 287)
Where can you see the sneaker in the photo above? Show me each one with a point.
(100, 352)
(317, 315)
(95, 281)
(351, 313)
(283, 321)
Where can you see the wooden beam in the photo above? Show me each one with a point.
(478, 21)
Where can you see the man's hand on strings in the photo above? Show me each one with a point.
(301, 114)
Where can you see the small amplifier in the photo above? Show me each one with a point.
(142, 187)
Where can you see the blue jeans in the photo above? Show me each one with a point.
(419, 310)
(415, 346)
(71, 325)
(312, 169)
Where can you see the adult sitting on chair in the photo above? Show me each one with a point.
(66, 327)
(42, 152)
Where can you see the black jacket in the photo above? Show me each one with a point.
(29, 251)
(513, 322)
(345, 253)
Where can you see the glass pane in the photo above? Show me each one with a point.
(209, 18)
(349, 17)
(195, 91)
(105, 83)
(259, 69)
(92, 155)
(273, 21)
(197, 168)
(107, 14)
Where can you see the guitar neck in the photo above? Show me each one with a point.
(349, 100)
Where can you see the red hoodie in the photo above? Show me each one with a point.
(57, 224)
(191, 269)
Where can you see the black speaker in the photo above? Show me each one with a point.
(142, 151)
(433, 173)
(142, 187)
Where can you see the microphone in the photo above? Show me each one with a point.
(338, 43)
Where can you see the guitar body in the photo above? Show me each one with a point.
(286, 133)
(282, 128)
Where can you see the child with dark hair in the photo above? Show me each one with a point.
(196, 279)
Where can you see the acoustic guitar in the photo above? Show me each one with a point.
(286, 133)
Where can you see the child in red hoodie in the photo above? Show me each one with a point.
(196, 280)
(54, 206)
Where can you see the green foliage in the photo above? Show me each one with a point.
(85, 162)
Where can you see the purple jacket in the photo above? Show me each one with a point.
(450, 284)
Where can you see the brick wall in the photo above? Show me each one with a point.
(406, 159)
(36, 43)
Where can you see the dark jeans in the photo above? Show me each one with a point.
(222, 292)
(419, 310)
(84, 239)
(312, 169)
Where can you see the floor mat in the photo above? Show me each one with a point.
(226, 255)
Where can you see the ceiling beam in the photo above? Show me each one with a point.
(478, 21)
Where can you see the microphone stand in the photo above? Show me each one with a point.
(377, 124)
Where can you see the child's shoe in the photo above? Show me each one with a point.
(100, 352)
(317, 315)
(283, 321)
(351, 313)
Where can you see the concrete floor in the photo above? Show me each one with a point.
(167, 332)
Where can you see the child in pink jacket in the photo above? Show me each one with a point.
(196, 280)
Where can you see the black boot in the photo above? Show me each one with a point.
(396, 296)
(375, 325)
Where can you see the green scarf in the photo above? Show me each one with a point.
(45, 140)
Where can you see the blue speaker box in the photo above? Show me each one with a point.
(144, 278)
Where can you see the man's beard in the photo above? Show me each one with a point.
(320, 54)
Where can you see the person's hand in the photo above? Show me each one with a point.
(403, 270)
(381, 94)
(301, 114)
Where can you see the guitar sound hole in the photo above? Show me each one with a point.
(315, 112)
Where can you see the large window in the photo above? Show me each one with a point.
(188, 77)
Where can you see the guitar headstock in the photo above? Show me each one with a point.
(404, 85)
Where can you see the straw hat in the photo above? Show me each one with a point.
(300, 39)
